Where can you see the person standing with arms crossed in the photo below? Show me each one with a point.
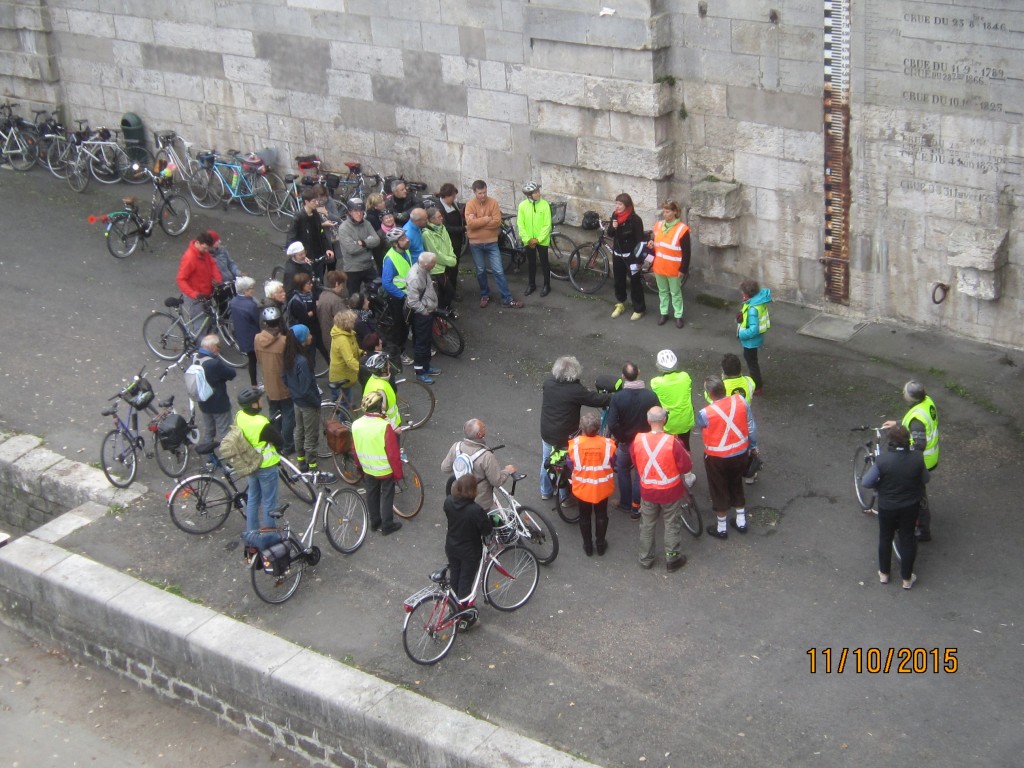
(483, 222)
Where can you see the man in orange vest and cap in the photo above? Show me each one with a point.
(592, 458)
(662, 461)
(727, 426)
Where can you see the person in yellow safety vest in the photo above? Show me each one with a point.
(671, 245)
(675, 393)
(378, 364)
(752, 323)
(922, 420)
(397, 263)
(260, 529)
(592, 463)
(663, 461)
(730, 436)
(379, 455)
(534, 222)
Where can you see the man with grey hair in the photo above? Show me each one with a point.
(922, 421)
(662, 462)
(245, 320)
(563, 397)
(421, 301)
(489, 475)
(215, 411)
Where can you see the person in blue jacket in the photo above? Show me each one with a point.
(413, 229)
(245, 319)
(751, 325)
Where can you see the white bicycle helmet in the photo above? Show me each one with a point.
(394, 234)
(377, 362)
(530, 187)
(667, 360)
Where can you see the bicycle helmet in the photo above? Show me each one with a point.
(377, 362)
(271, 315)
(667, 360)
(355, 204)
(394, 234)
(530, 187)
(373, 402)
(249, 395)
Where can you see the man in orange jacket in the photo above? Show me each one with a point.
(662, 461)
(592, 458)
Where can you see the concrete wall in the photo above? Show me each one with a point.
(651, 99)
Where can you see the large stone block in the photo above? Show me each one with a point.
(758, 38)
(633, 65)
(504, 46)
(756, 170)
(562, 56)
(479, 14)
(985, 286)
(471, 43)
(711, 33)
(400, 92)
(86, 47)
(15, 447)
(200, 12)
(421, 122)
(444, 156)
(972, 246)
(187, 61)
(273, 101)
(360, 114)
(587, 27)
(495, 105)
(717, 200)
(402, 150)
(370, 59)
(289, 68)
(474, 130)
(290, 129)
(144, 80)
(550, 117)
(648, 162)
(397, 33)
(134, 29)
(494, 76)
(757, 105)
(718, 233)
(128, 54)
(440, 38)
(242, 69)
(648, 99)
(705, 98)
(799, 77)
(220, 92)
(457, 70)
(350, 85)
(94, 24)
(343, 28)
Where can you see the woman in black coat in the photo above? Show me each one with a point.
(467, 525)
(626, 231)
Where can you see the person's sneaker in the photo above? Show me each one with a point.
(735, 526)
(908, 583)
(424, 378)
(713, 531)
(433, 352)
(390, 528)
(675, 564)
(636, 315)
(634, 514)
(883, 578)
(618, 310)
(546, 496)
(406, 360)
(623, 508)
(646, 566)
(434, 372)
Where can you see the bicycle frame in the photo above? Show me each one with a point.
(236, 184)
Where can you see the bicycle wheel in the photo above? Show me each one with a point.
(296, 483)
(429, 631)
(164, 335)
(263, 189)
(200, 504)
(408, 493)
(123, 236)
(254, 194)
(229, 351)
(651, 284)
(172, 461)
(174, 215)
(416, 403)
(21, 150)
(118, 458)
(691, 516)
(283, 210)
(105, 164)
(78, 171)
(57, 155)
(447, 337)
(206, 188)
(136, 156)
(511, 577)
(559, 251)
(543, 536)
(862, 461)
(588, 267)
(276, 589)
(564, 512)
(346, 520)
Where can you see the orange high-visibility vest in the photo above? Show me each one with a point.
(668, 249)
(656, 461)
(726, 432)
(593, 478)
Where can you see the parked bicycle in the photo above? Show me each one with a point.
(286, 204)
(446, 336)
(172, 336)
(175, 152)
(46, 125)
(120, 446)
(127, 229)
(513, 251)
(277, 571)
(101, 156)
(19, 145)
(233, 177)
(508, 574)
(590, 264)
(342, 185)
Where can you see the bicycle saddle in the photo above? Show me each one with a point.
(172, 301)
(290, 178)
(352, 166)
(166, 403)
(108, 412)
(439, 577)
(279, 512)
(517, 476)
(207, 446)
(324, 478)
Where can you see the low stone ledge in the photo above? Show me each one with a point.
(979, 255)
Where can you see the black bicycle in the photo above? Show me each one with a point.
(513, 250)
(127, 229)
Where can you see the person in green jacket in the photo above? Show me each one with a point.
(534, 221)
(437, 240)
(674, 389)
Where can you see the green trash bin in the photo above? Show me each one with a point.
(135, 138)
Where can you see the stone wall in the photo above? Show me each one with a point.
(594, 98)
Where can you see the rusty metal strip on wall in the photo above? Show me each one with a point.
(837, 151)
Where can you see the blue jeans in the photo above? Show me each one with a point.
(486, 256)
(287, 425)
(546, 489)
(262, 492)
(627, 477)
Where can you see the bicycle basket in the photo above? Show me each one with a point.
(103, 134)
(253, 163)
(507, 533)
(558, 213)
(138, 394)
(591, 220)
(172, 431)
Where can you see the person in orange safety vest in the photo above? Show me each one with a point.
(592, 458)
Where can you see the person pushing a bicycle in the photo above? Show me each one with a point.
(198, 275)
(468, 524)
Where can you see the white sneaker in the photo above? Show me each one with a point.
(883, 578)
(406, 360)
(908, 583)
(750, 480)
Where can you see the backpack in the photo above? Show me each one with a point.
(238, 452)
(196, 385)
(463, 464)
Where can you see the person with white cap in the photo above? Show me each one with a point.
(674, 389)
(298, 263)
(308, 228)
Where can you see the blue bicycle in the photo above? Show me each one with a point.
(223, 179)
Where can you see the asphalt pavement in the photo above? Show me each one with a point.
(622, 666)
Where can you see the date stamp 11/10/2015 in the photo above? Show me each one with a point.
(903, 661)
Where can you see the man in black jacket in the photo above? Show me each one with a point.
(308, 228)
(215, 411)
(564, 395)
(626, 417)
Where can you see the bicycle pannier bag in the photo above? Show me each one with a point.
(237, 451)
(463, 464)
(276, 558)
(196, 385)
(339, 436)
(171, 431)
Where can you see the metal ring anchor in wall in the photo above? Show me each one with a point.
(939, 293)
